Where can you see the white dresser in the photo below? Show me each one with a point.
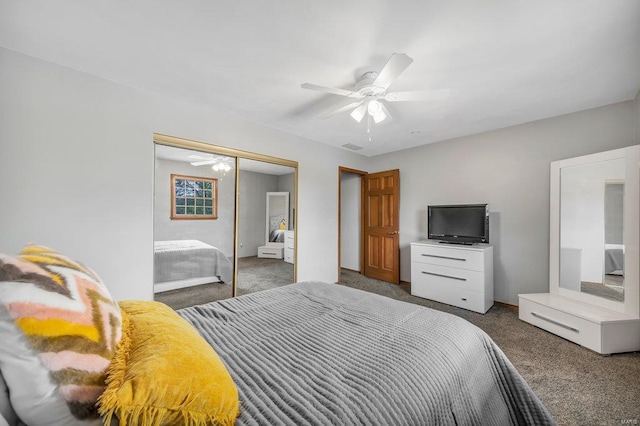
(289, 245)
(457, 275)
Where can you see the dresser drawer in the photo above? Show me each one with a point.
(444, 293)
(446, 276)
(288, 238)
(563, 324)
(270, 252)
(451, 257)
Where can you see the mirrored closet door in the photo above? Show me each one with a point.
(266, 229)
(212, 224)
(193, 227)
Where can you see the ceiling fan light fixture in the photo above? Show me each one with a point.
(374, 107)
(379, 116)
(358, 113)
(221, 167)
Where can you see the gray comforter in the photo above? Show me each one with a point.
(324, 354)
(186, 259)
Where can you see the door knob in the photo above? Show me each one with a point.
(392, 233)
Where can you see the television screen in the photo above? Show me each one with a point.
(464, 223)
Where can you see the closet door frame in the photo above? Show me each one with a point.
(177, 142)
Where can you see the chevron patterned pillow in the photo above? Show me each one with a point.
(64, 313)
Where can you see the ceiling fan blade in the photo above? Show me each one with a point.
(342, 109)
(332, 90)
(200, 157)
(418, 95)
(203, 163)
(397, 63)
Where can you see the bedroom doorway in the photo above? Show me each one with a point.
(368, 223)
(350, 220)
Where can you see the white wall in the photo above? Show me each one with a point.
(509, 169)
(76, 148)
(350, 221)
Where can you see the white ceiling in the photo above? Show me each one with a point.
(506, 61)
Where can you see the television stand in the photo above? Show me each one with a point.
(458, 275)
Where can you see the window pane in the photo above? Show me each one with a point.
(191, 202)
(207, 185)
(179, 210)
(199, 210)
(199, 202)
(179, 191)
(208, 203)
(208, 211)
(191, 210)
(208, 194)
(180, 201)
(180, 182)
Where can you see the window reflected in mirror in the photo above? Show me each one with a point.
(591, 229)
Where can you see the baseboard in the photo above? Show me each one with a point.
(506, 305)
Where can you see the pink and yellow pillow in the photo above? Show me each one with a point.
(61, 327)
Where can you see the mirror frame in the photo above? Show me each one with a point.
(631, 155)
(177, 142)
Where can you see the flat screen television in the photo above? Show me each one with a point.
(459, 224)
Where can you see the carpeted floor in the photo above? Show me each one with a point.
(578, 386)
(254, 274)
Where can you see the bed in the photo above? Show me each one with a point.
(316, 353)
(184, 263)
(614, 259)
(277, 236)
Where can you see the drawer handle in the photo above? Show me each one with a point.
(268, 252)
(444, 276)
(445, 257)
(555, 322)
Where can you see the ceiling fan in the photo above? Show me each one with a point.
(370, 91)
(219, 163)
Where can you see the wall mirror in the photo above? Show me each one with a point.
(266, 231)
(594, 254)
(211, 221)
(591, 224)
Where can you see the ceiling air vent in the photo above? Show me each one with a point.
(351, 146)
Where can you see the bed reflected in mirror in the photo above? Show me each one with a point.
(266, 242)
(591, 229)
(193, 226)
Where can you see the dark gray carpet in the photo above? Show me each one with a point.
(577, 385)
(254, 274)
(257, 274)
(613, 291)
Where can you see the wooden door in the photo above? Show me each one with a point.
(381, 216)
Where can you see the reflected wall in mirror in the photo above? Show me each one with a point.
(266, 239)
(591, 228)
(193, 252)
